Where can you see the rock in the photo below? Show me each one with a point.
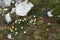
(7, 2)
(8, 18)
(23, 8)
(49, 13)
(1, 2)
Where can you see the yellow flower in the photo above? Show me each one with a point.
(11, 30)
(13, 27)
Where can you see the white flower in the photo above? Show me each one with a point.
(9, 36)
(24, 18)
(34, 16)
(23, 8)
(24, 32)
(49, 24)
(18, 22)
(15, 29)
(15, 21)
(31, 21)
(34, 20)
(8, 18)
(21, 27)
(16, 33)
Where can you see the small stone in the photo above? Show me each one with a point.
(49, 13)
(58, 15)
